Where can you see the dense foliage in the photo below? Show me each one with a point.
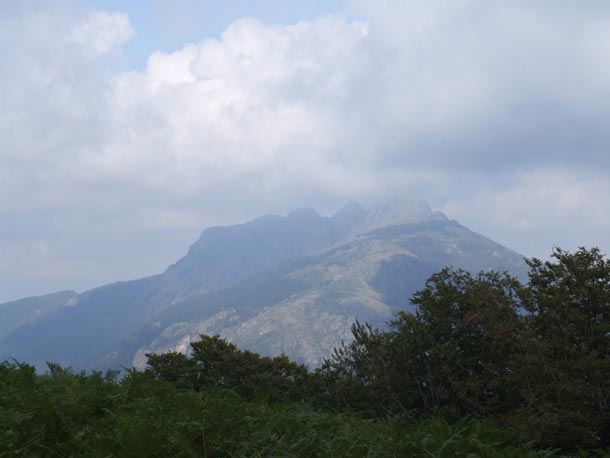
(534, 358)
(215, 363)
(527, 366)
(63, 414)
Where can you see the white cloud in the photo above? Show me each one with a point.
(482, 106)
(101, 32)
(260, 101)
(541, 208)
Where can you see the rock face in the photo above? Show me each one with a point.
(398, 210)
(312, 302)
(274, 285)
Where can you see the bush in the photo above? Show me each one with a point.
(73, 415)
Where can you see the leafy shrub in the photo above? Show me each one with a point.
(64, 414)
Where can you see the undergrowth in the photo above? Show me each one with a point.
(63, 414)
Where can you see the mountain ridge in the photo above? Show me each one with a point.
(274, 284)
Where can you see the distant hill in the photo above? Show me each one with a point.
(32, 309)
(102, 317)
(293, 285)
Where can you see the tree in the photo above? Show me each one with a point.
(216, 363)
(172, 367)
(357, 376)
(535, 357)
(452, 356)
(567, 378)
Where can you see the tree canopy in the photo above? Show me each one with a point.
(534, 357)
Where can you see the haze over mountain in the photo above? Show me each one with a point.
(291, 284)
(128, 127)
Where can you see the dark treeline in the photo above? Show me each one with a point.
(534, 358)
(486, 366)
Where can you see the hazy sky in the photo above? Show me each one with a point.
(128, 127)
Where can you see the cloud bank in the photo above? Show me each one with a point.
(495, 111)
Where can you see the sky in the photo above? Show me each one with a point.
(126, 128)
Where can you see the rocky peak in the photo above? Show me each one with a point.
(351, 210)
(395, 211)
(351, 214)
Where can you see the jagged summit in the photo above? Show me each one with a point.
(395, 211)
(398, 210)
(351, 209)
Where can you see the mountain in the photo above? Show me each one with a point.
(395, 211)
(103, 317)
(292, 285)
(32, 309)
(305, 307)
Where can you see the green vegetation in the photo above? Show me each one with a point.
(534, 358)
(63, 414)
(486, 367)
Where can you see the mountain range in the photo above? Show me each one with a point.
(292, 285)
